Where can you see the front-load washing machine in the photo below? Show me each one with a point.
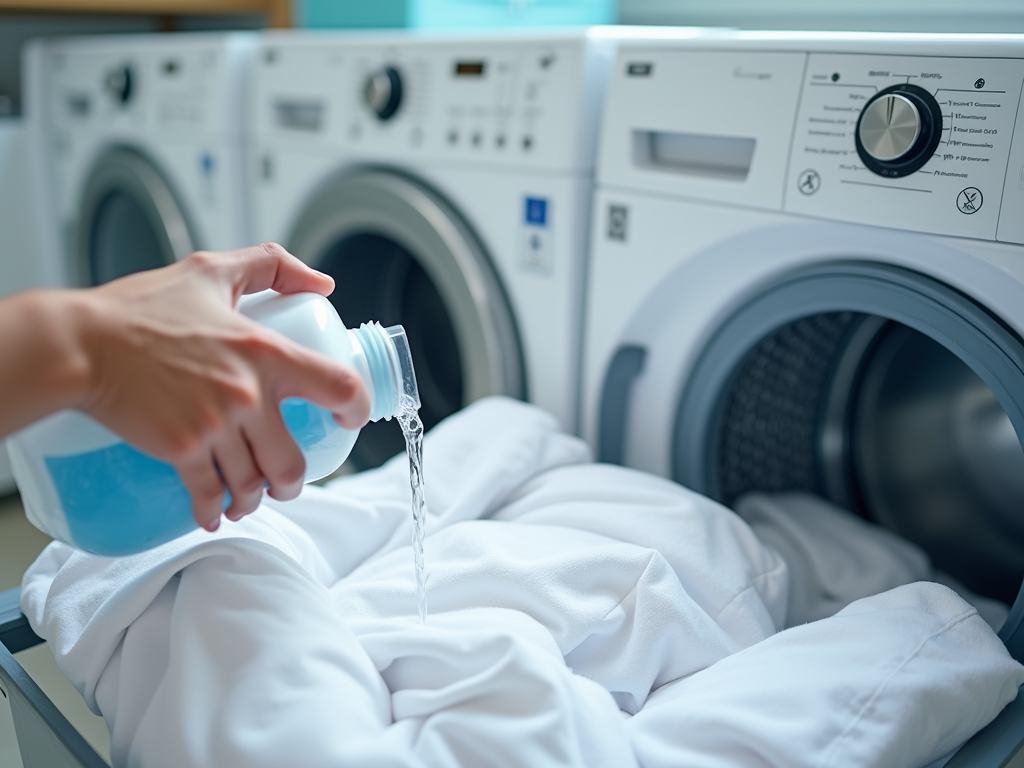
(445, 183)
(140, 142)
(807, 273)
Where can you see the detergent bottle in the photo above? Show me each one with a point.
(85, 486)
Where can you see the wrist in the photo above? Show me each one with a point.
(65, 320)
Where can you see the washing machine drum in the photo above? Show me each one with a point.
(400, 254)
(877, 388)
(129, 220)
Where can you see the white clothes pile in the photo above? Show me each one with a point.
(835, 557)
(580, 615)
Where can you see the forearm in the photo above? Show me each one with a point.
(43, 363)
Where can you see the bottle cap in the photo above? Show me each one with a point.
(389, 360)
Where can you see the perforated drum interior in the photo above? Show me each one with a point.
(903, 404)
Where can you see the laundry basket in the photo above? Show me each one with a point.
(45, 737)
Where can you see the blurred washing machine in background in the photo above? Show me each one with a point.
(19, 232)
(807, 274)
(141, 143)
(445, 183)
(136, 154)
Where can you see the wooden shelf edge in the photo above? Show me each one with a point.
(278, 12)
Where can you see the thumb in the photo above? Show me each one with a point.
(321, 380)
(270, 266)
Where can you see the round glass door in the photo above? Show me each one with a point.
(129, 220)
(881, 390)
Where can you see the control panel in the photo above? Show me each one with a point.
(929, 142)
(514, 102)
(913, 142)
(142, 85)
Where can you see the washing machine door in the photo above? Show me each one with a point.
(129, 219)
(877, 386)
(400, 253)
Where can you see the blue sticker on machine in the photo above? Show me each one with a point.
(537, 211)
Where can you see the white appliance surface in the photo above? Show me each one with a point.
(807, 276)
(182, 111)
(495, 124)
(795, 98)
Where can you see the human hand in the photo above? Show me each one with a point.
(178, 372)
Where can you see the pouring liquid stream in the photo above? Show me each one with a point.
(412, 429)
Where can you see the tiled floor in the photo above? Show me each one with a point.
(20, 543)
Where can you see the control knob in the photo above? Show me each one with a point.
(383, 92)
(118, 84)
(898, 130)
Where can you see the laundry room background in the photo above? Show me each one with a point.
(30, 224)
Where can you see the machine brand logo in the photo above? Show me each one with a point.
(639, 69)
(746, 74)
(618, 217)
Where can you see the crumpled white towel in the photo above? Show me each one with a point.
(560, 593)
(835, 557)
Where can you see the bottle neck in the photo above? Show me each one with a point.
(392, 380)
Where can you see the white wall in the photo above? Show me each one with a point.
(20, 243)
(864, 15)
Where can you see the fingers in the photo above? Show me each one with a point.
(270, 266)
(317, 378)
(204, 485)
(241, 475)
(276, 454)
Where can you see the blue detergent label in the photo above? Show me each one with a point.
(119, 501)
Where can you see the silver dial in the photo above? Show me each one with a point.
(382, 92)
(118, 83)
(890, 127)
(377, 91)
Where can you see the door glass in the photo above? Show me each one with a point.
(123, 241)
(378, 279)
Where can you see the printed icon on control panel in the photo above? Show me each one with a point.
(537, 244)
(835, 77)
(809, 182)
(969, 200)
(618, 216)
(979, 83)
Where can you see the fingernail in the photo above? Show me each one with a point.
(213, 525)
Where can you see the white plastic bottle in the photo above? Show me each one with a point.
(85, 486)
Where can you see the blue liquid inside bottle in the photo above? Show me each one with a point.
(119, 501)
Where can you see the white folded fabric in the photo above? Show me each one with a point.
(898, 679)
(835, 557)
(561, 594)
